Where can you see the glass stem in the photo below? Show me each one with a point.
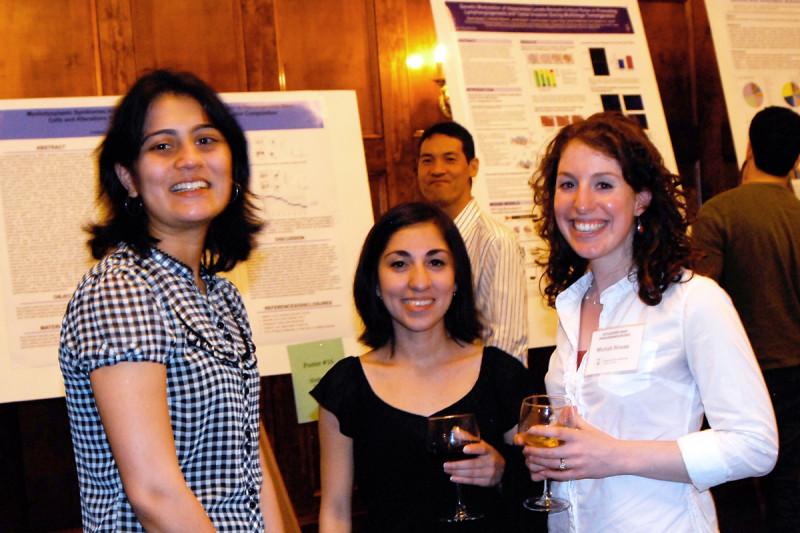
(461, 509)
(546, 494)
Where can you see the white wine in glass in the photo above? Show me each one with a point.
(447, 436)
(544, 410)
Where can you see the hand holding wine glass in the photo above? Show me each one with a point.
(447, 436)
(544, 410)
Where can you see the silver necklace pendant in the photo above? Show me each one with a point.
(586, 296)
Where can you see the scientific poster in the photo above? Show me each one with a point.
(517, 71)
(307, 170)
(758, 52)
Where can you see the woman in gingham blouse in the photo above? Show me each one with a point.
(160, 373)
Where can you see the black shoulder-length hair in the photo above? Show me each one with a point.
(661, 251)
(230, 235)
(461, 319)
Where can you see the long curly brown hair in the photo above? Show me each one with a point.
(661, 251)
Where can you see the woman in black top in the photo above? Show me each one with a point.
(413, 291)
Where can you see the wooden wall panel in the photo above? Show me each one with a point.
(331, 45)
(45, 444)
(670, 42)
(202, 36)
(682, 50)
(423, 91)
(296, 446)
(259, 33)
(391, 19)
(13, 503)
(38, 58)
(334, 45)
(719, 168)
(115, 52)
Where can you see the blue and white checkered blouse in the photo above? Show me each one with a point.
(133, 308)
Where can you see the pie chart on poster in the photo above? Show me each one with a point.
(791, 93)
(753, 94)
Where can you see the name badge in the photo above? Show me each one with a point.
(615, 350)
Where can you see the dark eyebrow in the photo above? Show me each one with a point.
(594, 175)
(429, 154)
(168, 131)
(397, 252)
(429, 253)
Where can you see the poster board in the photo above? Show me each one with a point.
(758, 52)
(519, 70)
(308, 172)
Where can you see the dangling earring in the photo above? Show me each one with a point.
(455, 289)
(639, 227)
(133, 205)
(235, 193)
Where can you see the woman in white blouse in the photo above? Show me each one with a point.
(645, 348)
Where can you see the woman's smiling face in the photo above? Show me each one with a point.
(184, 171)
(417, 278)
(595, 207)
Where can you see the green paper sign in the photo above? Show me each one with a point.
(309, 362)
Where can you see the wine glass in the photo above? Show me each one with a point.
(544, 410)
(447, 436)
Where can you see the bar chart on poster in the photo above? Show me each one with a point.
(309, 177)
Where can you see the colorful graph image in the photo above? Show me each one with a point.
(551, 58)
(753, 94)
(625, 63)
(545, 77)
(791, 93)
(552, 121)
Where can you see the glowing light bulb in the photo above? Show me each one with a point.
(414, 61)
(440, 53)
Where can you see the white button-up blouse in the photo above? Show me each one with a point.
(695, 360)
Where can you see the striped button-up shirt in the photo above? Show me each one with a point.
(498, 274)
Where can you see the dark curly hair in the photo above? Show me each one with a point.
(661, 251)
(461, 319)
(230, 236)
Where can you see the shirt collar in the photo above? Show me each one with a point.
(175, 266)
(470, 212)
(609, 298)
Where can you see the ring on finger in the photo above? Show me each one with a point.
(563, 465)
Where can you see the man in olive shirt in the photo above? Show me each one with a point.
(751, 238)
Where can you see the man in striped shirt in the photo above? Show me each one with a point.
(446, 168)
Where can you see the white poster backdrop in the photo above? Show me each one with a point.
(517, 71)
(758, 52)
(308, 171)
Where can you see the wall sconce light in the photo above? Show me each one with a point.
(444, 98)
(416, 62)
